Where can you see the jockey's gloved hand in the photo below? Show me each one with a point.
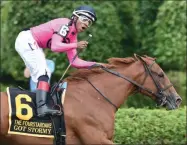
(100, 65)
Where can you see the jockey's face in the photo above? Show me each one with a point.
(82, 23)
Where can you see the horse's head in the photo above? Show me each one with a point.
(156, 84)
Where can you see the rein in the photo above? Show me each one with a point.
(102, 94)
(160, 97)
(129, 80)
(123, 77)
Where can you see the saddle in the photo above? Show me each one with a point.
(23, 119)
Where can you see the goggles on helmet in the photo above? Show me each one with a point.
(85, 19)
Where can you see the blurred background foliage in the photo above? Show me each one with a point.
(155, 28)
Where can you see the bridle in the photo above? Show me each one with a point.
(160, 96)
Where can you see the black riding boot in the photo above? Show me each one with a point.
(41, 100)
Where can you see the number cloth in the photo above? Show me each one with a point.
(23, 119)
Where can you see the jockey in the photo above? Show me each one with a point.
(60, 35)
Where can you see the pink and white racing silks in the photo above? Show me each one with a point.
(45, 36)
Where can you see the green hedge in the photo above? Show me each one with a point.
(170, 35)
(150, 127)
(148, 11)
(162, 27)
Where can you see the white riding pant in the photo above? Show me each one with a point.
(32, 55)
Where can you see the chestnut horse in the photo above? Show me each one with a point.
(94, 95)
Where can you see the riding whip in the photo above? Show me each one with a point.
(90, 36)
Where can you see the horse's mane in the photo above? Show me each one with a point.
(112, 63)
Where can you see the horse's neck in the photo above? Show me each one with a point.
(115, 88)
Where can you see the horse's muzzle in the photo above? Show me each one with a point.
(173, 101)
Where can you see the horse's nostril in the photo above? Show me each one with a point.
(178, 101)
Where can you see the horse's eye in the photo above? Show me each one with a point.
(161, 74)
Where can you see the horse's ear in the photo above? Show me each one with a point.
(135, 56)
(145, 59)
(138, 57)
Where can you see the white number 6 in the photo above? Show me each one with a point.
(64, 30)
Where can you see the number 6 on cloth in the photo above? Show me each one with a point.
(20, 106)
(63, 31)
